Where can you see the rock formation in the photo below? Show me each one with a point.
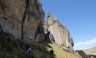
(91, 56)
(22, 18)
(60, 33)
(81, 54)
(45, 27)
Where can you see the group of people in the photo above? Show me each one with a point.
(28, 50)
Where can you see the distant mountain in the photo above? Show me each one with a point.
(90, 51)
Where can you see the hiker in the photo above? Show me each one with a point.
(28, 49)
(51, 51)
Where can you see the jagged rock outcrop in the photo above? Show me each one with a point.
(60, 33)
(81, 54)
(22, 18)
(91, 56)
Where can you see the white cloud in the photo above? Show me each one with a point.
(86, 43)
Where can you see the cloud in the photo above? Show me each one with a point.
(86, 43)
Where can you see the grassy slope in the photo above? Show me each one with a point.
(91, 51)
(11, 51)
(8, 49)
(60, 53)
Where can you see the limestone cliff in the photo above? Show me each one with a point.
(60, 33)
(22, 18)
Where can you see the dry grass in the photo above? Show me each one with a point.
(91, 51)
(60, 53)
(8, 49)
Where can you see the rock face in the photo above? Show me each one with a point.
(45, 27)
(60, 33)
(91, 56)
(22, 18)
(81, 54)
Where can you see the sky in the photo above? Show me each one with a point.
(79, 16)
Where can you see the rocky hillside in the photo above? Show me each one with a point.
(22, 18)
(16, 48)
(91, 51)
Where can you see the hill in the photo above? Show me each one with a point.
(8, 49)
(91, 51)
(60, 53)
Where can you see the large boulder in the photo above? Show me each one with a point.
(81, 54)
